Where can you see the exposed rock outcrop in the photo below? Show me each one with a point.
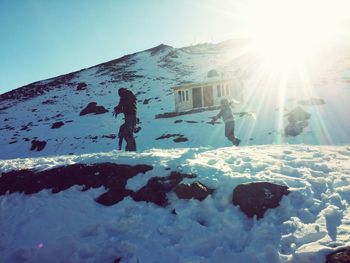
(312, 101)
(298, 120)
(112, 176)
(298, 114)
(81, 86)
(180, 139)
(339, 256)
(295, 128)
(57, 125)
(195, 190)
(157, 187)
(38, 145)
(256, 198)
(93, 108)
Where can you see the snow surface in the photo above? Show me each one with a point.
(312, 221)
(70, 226)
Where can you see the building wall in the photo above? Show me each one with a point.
(183, 102)
(231, 89)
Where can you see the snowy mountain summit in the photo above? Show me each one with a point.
(52, 116)
(187, 194)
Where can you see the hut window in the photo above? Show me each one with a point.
(183, 95)
(227, 90)
(186, 95)
(179, 92)
(218, 91)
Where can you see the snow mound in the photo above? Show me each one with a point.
(311, 221)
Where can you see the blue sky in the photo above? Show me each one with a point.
(46, 38)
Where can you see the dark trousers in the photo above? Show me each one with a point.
(230, 131)
(130, 123)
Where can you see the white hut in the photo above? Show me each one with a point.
(207, 94)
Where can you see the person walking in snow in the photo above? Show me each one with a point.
(121, 136)
(127, 105)
(226, 114)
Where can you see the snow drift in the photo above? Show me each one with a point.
(311, 221)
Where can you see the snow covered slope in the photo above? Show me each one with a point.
(69, 226)
(48, 110)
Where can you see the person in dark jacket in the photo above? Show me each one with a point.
(127, 105)
(226, 114)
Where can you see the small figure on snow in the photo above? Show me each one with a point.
(127, 105)
(226, 114)
(122, 135)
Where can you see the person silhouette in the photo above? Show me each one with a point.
(127, 106)
(226, 114)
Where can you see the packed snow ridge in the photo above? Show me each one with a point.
(310, 222)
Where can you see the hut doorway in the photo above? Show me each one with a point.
(208, 96)
(197, 97)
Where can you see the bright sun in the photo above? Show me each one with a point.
(287, 33)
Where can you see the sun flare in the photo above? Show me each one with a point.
(287, 34)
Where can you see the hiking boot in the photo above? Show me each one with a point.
(236, 142)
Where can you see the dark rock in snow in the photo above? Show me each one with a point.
(298, 120)
(113, 196)
(339, 256)
(180, 139)
(178, 121)
(139, 93)
(57, 125)
(312, 101)
(167, 136)
(195, 190)
(295, 128)
(49, 102)
(157, 187)
(38, 145)
(110, 136)
(81, 86)
(298, 114)
(93, 108)
(111, 176)
(146, 101)
(256, 198)
(25, 128)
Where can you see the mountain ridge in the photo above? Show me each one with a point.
(47, 111)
